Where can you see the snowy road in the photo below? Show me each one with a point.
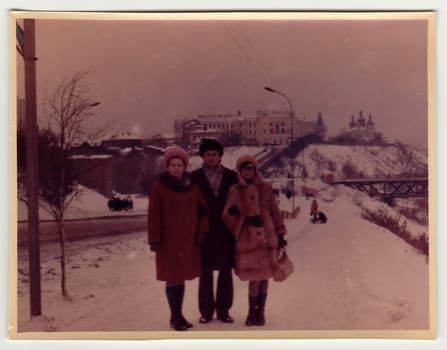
(82, 228)
(350, 275)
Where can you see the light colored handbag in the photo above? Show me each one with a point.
(284, 268)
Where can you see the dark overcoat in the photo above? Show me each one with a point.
(177, 221)
(218, 246)
(256, 247)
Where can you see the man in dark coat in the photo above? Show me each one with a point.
(217, 249)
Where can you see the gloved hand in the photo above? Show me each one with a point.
(281, 242)
(234, 210)
(155, 247)
(253, 221)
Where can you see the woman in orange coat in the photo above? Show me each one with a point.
(177, 222)
(252, 215)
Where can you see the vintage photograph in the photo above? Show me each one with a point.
(222, 175)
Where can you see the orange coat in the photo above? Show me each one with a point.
(256, 247)
(177, 221)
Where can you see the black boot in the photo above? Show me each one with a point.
(252, 305)
(260, 317)
(175, 300)
(184, 320)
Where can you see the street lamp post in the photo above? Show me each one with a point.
(292, 122)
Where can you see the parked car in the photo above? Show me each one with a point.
(118, 204)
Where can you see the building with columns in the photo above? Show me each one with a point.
(263, 128)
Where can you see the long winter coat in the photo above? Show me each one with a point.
(256, 247)
(177, 221)
(218, 245)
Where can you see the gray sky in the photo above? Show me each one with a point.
(147, 73)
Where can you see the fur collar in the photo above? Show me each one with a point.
(257, 180)
(174, 184)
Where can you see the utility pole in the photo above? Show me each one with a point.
(29, 55)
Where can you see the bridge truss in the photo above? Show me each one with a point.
(387, 189)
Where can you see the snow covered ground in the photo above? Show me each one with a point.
(349, 275)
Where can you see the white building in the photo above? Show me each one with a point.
(264, 128)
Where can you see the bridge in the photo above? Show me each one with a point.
(387, 189)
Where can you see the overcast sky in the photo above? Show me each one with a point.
(147, 73)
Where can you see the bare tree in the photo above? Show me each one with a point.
(68, 112)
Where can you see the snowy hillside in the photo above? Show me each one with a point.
(363, 161)
(371, 161)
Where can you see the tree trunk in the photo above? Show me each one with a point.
(61, 232)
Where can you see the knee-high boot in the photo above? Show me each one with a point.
(252, 307)
(175, 301)
(182, 294)
(260, 310)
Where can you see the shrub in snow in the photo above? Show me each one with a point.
(393, 224)
(415, 209)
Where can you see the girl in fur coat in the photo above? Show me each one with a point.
(252, 215)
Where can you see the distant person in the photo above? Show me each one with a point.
(177, 223)
(314, 209)
(217, 249)
(253, 216)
